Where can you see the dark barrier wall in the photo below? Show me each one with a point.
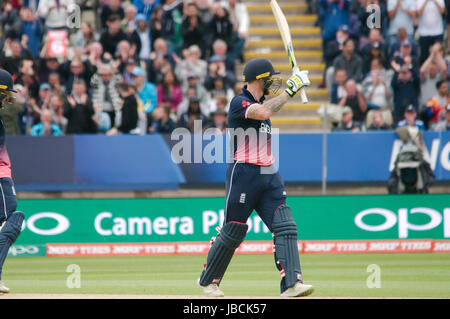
(124, 162)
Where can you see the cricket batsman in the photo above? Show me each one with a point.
(253, 184)
(10, 220)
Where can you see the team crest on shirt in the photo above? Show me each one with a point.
(245, 103)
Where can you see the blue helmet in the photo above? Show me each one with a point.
(258, 68)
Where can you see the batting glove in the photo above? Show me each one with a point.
(296, 82)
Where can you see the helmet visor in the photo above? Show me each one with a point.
(272, 84)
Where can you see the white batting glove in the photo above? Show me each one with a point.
(296, 82)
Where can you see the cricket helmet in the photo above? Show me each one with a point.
(261, 68)
(6, 87)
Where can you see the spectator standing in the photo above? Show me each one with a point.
(129, 23)
(190, 65)
(113, 8)
(141, 38)
(402, 13)
(241, 23)
(193, 28)
(432, 71)
(79, 111)
(221, 27)
(406, 86)
(430, 25)
(31, 29)
(127, 119)
(55, 13)
(333, 47)
(172, 18)
(111, 37)
(105, 95)
(169, 91)
(45, 127)
(156, 22)
(332, 15)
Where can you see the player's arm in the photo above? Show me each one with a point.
(264, 111)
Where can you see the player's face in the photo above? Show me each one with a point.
(7, 97)
(271, 85)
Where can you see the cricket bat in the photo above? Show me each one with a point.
(287, 41)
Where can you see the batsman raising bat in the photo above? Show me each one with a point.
(252, 182)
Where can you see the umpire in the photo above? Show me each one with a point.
(252, 183)
(10, 220)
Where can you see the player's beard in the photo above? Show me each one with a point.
(272, 85)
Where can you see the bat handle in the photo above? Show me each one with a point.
(303, 96)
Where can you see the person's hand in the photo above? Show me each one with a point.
(112, 131)
(71, 101)
(84, 98)
(297, 81)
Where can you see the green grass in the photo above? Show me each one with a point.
(344, 275)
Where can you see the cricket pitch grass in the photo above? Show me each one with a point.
(418, 275)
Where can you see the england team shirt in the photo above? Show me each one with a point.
(250, 139)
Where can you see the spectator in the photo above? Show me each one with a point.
(141, 38)
(44, 95)
(394, 45)
(376, 86)
(113, 35)
(438, 103)
(217, 69)
(172, 16)
(32, 115)
(54, 80)
(79, 111)
(55, 13)
(349, 61)
(220, 49)
(128, 114)
(365, 14)
(27, 77)
(191, 64)
(146, 91)
(11, 63)
(334, 47)
(404, 56)
(241, 23)
(156, 22)
(444, 124)
(187, 119)
(402, 13)
(84, 36)
(160, 61)
(347, 123)
(377, 121)
(162, 122)
(56, 107)
(113, 8)
(410, 119)
(406, 86)
(105, 94)
(219, 121)
(45, 127)
(129, 23)
(94, 54)
(221, 27)
(147, 7)
(192, 28)
(333, 14)
(430, 25)
(9, 19)
(338, 86)
(76, 69)
(125, 51)
(192, 92)
(46, 66)
(31, 29)
(354, 98)
(169, 91)
(432, 71)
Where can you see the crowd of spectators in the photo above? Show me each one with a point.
(130, 66)
(386, 62)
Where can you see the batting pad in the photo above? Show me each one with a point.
(8, 235)
(286, 248)
(219, 256)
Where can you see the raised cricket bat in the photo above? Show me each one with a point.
(287, 41)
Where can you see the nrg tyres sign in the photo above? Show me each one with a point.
(158, 220)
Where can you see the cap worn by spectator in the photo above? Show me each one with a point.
(410, 108)
(140, 17)
(138, 71)
(406, 43)
(344, 28)
(44, 86)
